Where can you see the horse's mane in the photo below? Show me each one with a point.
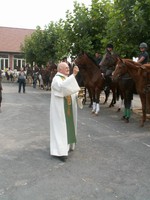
(131, 63)
(110, 59)
(89, 57)
(92, 59)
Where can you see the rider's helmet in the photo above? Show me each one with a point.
(143, 45)
(109, 46)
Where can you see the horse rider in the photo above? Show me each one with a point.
(143, 56)
(107, 70)
(97, 58)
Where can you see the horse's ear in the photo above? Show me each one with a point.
(80, 53)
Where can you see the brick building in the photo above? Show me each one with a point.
(10, 42)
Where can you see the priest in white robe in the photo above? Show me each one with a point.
(63, 111)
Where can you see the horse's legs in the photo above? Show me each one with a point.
(93, 100)
(114, 94)
(107, 92)
(91, 97)
(143, 102)
(120, 104)
(98, 91)
(121, 100)
(113, 101)
(84, 100)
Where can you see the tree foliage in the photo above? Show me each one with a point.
(123, 23)
(128, 25)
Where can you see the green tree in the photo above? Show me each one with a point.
(85, 27)
(128, 26)
(123, 23)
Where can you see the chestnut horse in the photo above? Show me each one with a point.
(92, 78)
(135, 70)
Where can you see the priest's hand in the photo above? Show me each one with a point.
(75, 70)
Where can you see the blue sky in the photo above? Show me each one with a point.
(31, 13)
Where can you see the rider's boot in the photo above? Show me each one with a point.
(128, 115)
(125, 114)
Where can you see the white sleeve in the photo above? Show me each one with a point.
(65, 87)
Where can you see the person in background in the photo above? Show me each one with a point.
(143, 58)
(109, 51)
(98, 58)
(11, 75)
(63, 111)
(107, 70)
(35, 78)
(22, 80)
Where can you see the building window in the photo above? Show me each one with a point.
(3, 61)
(19, 62)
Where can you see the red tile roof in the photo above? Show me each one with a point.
(12, 38)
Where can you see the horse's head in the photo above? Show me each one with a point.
(109, 60)
(120, 69)
(80, 59)
(84, 61)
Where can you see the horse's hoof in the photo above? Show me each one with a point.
(94, 110)
(127, 120)
(84, 102)
(96, 114)
(141, 125)
(123, 118)
(118, 109)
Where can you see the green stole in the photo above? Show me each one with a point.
(69, 118)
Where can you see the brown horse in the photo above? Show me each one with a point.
(107, 66)
(134, 69)
(92, 77)
(125, 86)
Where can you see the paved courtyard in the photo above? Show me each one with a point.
(111, 160)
